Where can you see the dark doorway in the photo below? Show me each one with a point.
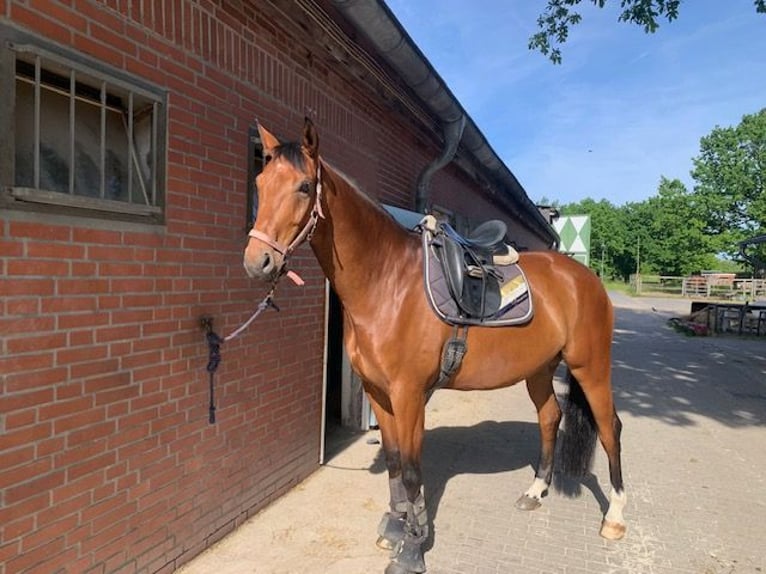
(335, 435)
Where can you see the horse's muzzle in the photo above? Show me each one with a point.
(262, 264)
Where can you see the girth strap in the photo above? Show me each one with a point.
(453, 351)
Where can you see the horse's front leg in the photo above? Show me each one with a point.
(540, 389)
(391, 527)
(409, 410)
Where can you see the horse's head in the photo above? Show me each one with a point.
(288, 202)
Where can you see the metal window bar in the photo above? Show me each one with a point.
(37, 124)
(130, 147)
(153, 167)
(72, 122)
(133, 157)
(102, 143)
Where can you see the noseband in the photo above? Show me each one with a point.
(305, 234)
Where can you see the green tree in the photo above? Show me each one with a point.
(676, 243)
(730, 176)
(663, 235)
(559, 15)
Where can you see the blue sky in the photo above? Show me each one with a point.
(623, 109)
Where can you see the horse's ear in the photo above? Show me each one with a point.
(310, 141)
(268, 140)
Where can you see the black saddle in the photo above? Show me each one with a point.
(468, 266)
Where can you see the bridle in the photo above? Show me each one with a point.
(304, 235)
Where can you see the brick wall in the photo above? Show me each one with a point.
(107, 462)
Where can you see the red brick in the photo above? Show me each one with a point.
(63, 14)
(11, 248)
(53, 562)
(82, 286)
(37, 343)
(26, 561)
(46, 232)
(119, 269)
(34, 486)
(106, 536)
(49, 446)
(24, 436)
(76, 488)
(83, 269)
(108, 37)
(37, 268)
(16, 529)
(123, 332)
(10, 459)
(70, 356)
(62, 408)
(97, 236)
(79, 420)
(91, 466)
(98, 50)
(91, 434)
(90, 368)
(132, 285)
(78, 320)
(14, 401)
(120, 380)
(55, 250)
(47, 532)
(23, 306)
(16, 286)
(21, 418)
(20, 474)
(64, 509)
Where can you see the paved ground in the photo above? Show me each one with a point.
(694, 415)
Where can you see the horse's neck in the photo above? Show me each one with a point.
(358, 244)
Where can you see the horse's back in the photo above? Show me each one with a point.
(562, 277)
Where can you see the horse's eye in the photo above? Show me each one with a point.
(305, 187)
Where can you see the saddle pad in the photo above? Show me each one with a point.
(516, 303)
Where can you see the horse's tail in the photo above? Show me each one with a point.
(579, 441)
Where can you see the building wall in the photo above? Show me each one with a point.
(107, 460)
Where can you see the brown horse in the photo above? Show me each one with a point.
(395, 340)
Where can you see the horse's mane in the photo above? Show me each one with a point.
(374, 203)
(293, 153)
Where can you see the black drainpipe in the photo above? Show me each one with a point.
(453, 132)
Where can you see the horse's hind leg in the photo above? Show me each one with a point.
(540, 389)
(586, 385)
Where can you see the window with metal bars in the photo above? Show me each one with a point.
(78, 136)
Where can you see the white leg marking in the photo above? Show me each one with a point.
(617, 501)
(537, 490)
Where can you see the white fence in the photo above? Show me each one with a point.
(718, 286)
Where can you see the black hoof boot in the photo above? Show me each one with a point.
(390, 531)
(407, 557)
(394, 568)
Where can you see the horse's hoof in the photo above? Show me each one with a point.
(612, 530)
(528, 503)
(394, 568)
(384, 543)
